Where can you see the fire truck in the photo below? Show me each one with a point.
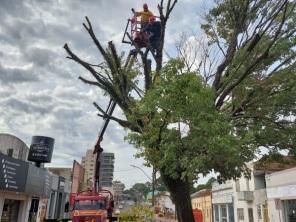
(95, 204)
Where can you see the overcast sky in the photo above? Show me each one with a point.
(39, 90)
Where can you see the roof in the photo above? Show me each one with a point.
(7, 135)
(269, 164)
(201, 193)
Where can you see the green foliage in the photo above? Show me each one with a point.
(182, 97)
(137, 213)
(207, 185)
(138, 191)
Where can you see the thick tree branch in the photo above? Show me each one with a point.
(123, 123)
(251, 67)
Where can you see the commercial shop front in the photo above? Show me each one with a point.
(281, 194)
(21, 187)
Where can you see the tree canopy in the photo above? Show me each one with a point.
(240, 97)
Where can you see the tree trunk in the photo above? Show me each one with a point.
(180, 193)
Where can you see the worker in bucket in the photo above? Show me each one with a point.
(153, 32)
(145, 15)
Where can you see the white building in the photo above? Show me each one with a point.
(247, 200)
(281, 194)
(222, 200)
(250, 201)
(164, 201)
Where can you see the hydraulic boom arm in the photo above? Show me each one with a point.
(98, 149)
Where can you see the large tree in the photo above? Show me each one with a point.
(240, 97)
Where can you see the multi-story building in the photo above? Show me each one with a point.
(77, 178)
(222, 199)
(88, 163)
(202, 200)
(118, 188)
(27, 190)
(281, 195)
(106, 169)
(246, 199)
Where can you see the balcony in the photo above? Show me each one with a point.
(245, 195)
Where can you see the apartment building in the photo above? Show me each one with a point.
(106, 169)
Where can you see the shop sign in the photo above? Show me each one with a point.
(13, 174)
(38, 182)
(47, 184)
(41, 149)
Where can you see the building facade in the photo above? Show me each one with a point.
(26, 190)
(281, 195)
(202, 200)
(250, 200)
(106, 170)
(88, 163)
(118, 188)
(14, 147)
(222, 199)
(77, 178)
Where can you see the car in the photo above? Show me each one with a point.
(120, 206)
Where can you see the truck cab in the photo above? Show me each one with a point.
(91, 207)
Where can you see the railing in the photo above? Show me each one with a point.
(245, 195)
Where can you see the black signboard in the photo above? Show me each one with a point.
(35, 181)
(41, 149)
(13, 174)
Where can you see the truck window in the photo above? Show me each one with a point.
(89, 205)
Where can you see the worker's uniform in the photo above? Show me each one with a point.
(145, 15)
(154, 31)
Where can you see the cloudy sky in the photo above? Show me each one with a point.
(39, 90)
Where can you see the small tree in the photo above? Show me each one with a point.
(243, 102)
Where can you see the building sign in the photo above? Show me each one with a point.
(47, 184)
(13, 174)
(41, 149)
(35, 181)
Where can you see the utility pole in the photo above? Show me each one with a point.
(153, 185)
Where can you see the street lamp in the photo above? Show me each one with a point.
(153, 179)
(142, 171)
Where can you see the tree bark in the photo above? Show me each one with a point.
(180, 193)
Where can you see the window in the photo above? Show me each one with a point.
(248, 184)
(240, 213)
(10, 152)
(251, 217)
(216, 211)
(237, 186)
(224, 213)
(259, 212)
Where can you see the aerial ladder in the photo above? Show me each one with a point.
(95, 204)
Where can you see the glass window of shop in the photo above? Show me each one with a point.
(10, 210)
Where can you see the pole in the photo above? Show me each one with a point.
(153, 186)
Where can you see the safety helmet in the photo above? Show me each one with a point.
(145, 6)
